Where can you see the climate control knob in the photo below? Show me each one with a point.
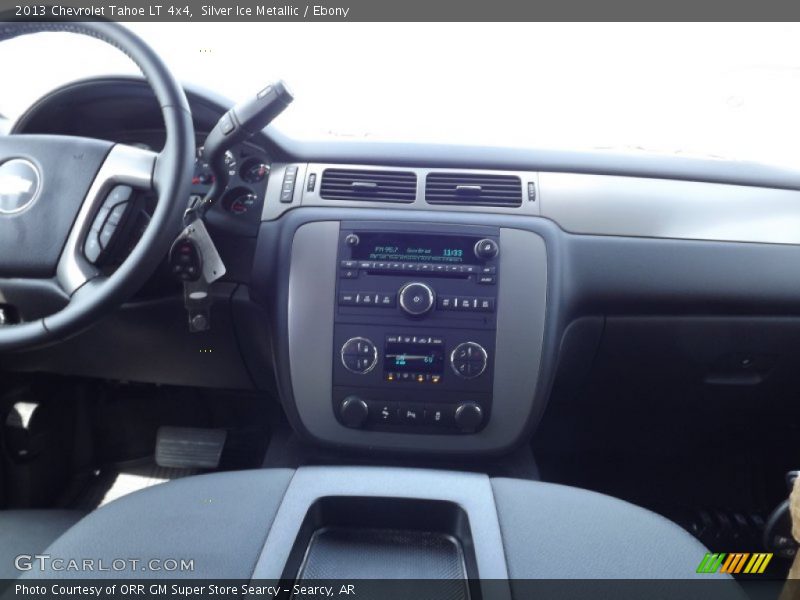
(416, 298)
(359, 355)
(469, 360)
(486, 249)
(353, 411)
(468, 417)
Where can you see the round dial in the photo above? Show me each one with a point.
(254, 170)
(468, 417)
(469, 360)
(359, 355)
(416, 298)
(486, 249)
(239, 201)
(353, 411)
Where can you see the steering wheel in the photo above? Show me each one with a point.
(52, 189)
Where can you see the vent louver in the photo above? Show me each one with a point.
(368, 185)
(473, 189)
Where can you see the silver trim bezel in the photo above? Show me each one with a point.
(403, 304)
(273, 208)
(485, 360)
(374, 355)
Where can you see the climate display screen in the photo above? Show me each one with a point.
(449, 249)
(401, 357)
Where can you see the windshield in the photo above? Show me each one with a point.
(723, 90)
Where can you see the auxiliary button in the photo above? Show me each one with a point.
(441, 416)
(412, 414)
(366, 299)
(347, 299)
(384, 412)
(486, 304)
(386, 300)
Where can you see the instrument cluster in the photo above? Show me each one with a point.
(248, 168)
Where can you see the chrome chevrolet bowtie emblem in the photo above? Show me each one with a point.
(19, 185)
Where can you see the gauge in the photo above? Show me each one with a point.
(254, 170)
(239, 201)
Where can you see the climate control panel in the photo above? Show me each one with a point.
(414, 329)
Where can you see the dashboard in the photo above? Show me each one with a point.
(436, 299)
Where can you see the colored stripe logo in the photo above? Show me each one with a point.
(734, 563)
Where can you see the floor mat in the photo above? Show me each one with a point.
(112, 482)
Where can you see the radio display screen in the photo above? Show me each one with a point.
(403, 357)
(449, 249)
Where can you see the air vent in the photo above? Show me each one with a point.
(477, 190)
(367, 185)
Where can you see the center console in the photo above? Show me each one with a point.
(415, 327)
(414, 335)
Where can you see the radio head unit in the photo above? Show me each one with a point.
(415, 328)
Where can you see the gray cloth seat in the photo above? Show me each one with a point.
(555, 531)
(221, 522)
(30, 532)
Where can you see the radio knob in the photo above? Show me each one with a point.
(469, 360)
(359, 355)
(416, 298)
(468, 416)
(353, 411)
(486, 249)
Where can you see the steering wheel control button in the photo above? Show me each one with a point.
(185, 260)
(106, 222)
(468, 417)
(486, 249)
(416, 299)
(469, 360)
(91, 249)
(359, 355)
(353, 412)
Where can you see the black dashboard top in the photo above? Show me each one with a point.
(127, 103)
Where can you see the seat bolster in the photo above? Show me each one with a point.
(218, 521)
